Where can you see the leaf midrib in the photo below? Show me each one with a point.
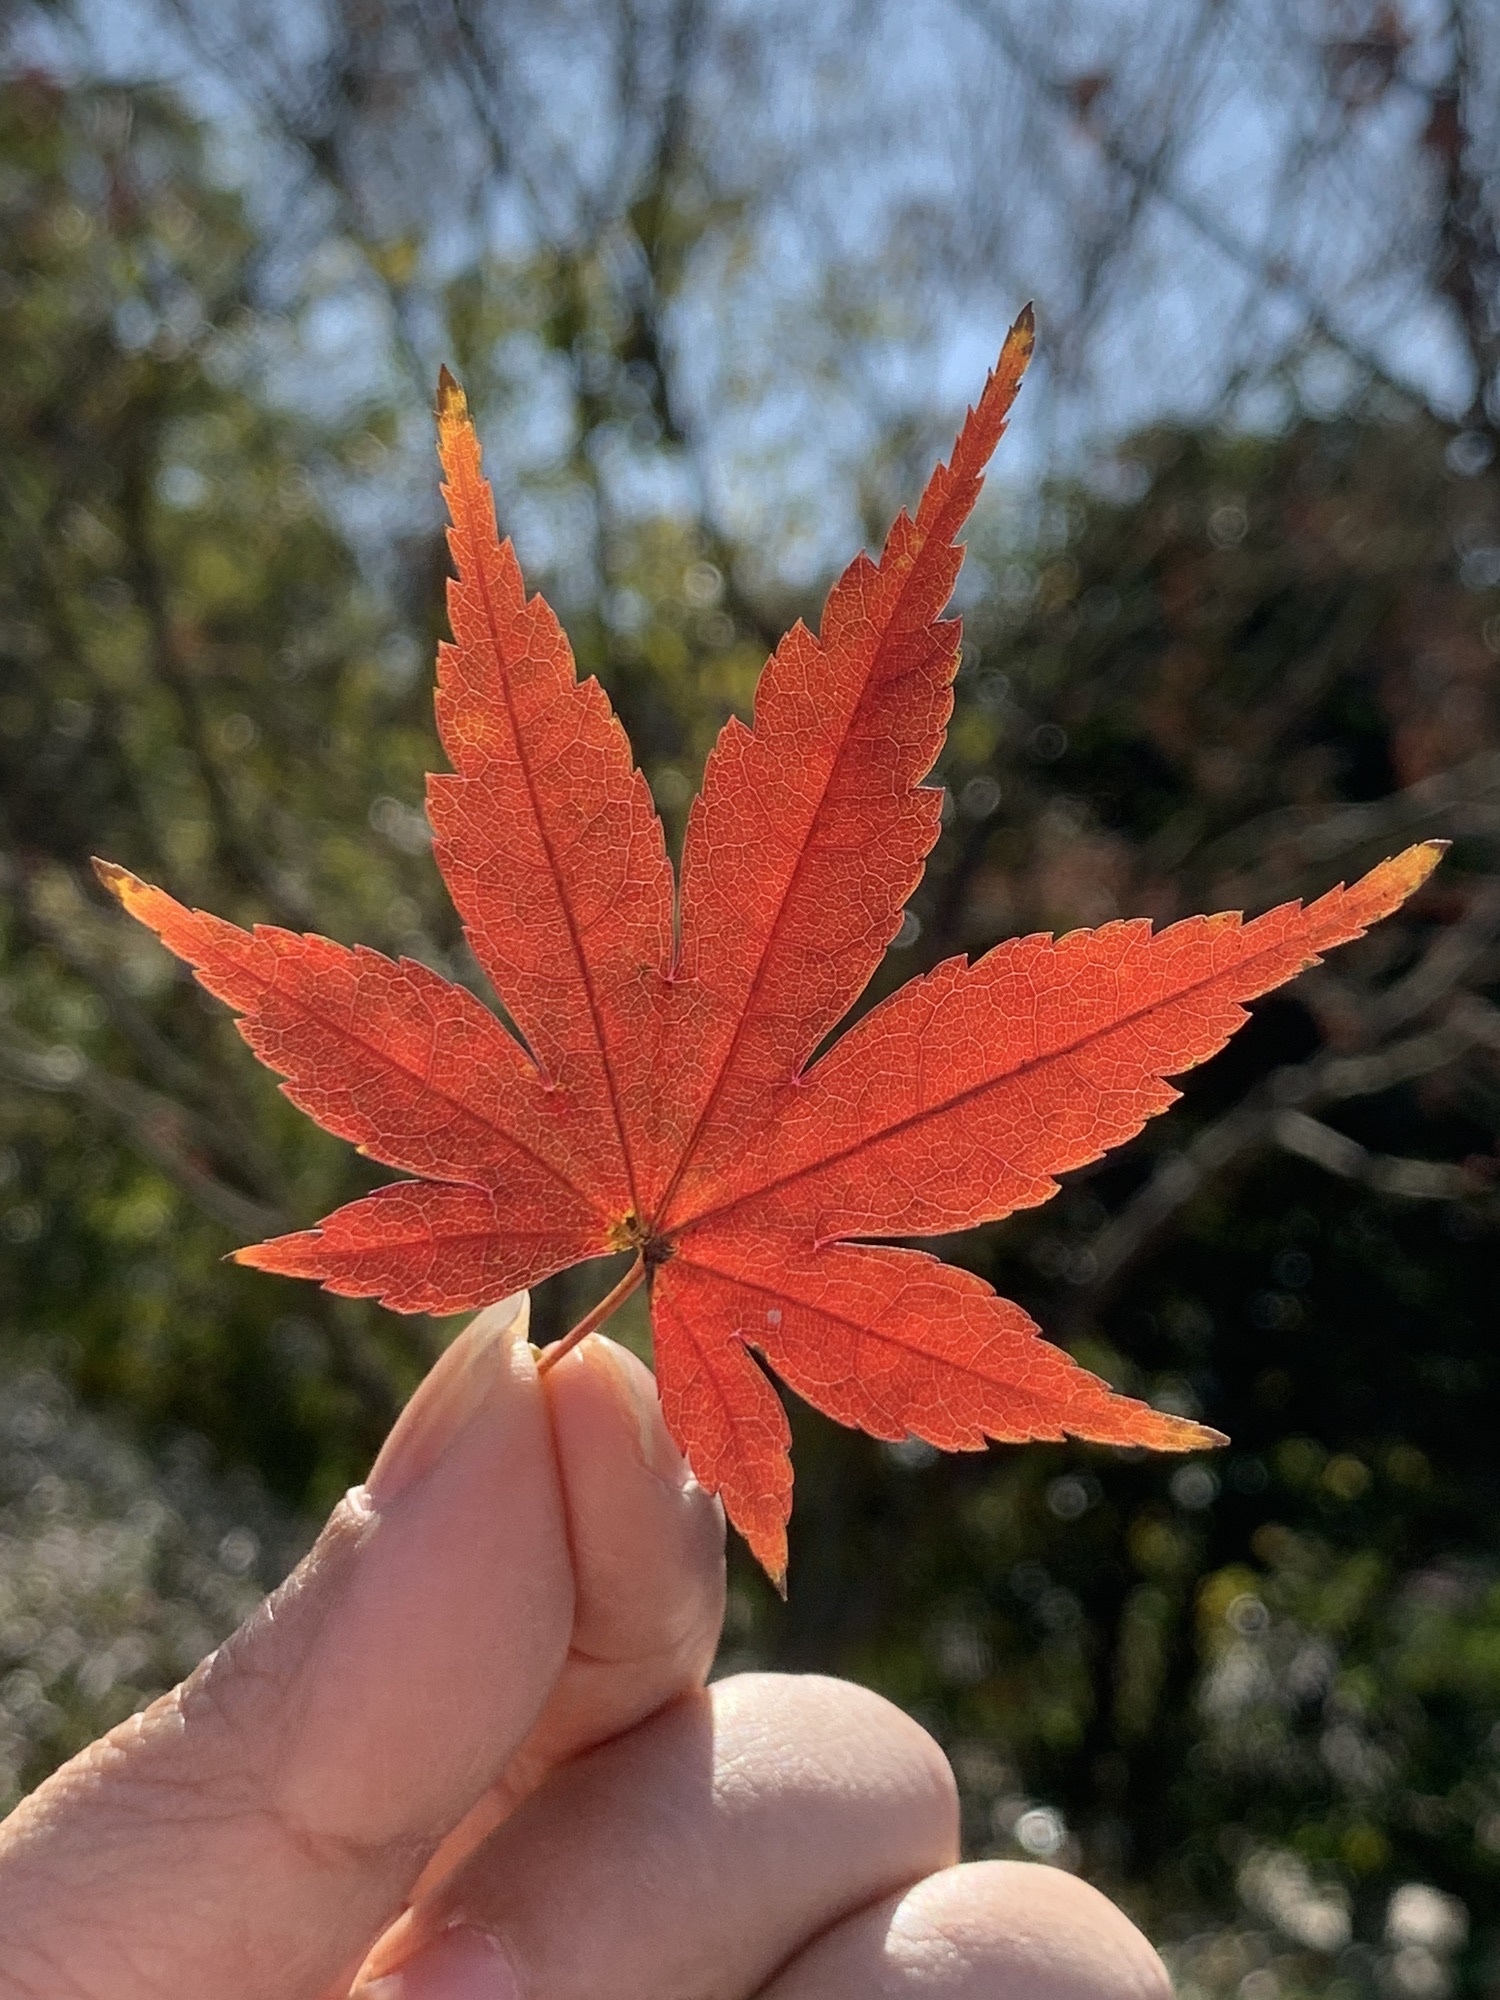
(862, 1329)
(972, 1091)
(481, 578)
(710, 1102)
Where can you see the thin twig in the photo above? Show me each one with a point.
(1273, 274)
(1389, 1173)
(1342, 831)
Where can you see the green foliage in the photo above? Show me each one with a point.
(194, 681)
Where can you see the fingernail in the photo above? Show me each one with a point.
(462, 1964)
(636, 1393)
(453, 1391)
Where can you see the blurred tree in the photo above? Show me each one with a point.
(189, 665)
(796, 228)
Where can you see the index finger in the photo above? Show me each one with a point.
(252, 1832)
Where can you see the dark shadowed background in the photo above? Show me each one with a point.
(719, 276)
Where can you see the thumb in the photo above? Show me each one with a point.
(249, 1833)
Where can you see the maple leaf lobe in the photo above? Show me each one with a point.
(666, 1101)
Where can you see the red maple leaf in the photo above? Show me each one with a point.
(664, 1100)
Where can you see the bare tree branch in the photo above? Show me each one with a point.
(1388, 1173)
(1278, 1111)
(1290, 840)
(1273, 274)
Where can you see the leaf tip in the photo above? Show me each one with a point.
(1388, 885)
(985, 424)
(1015, 355)
(127, 889)
(452, 403)
(283, 1256)
(1186, 1435)
(768, 1546)
(1415, 864)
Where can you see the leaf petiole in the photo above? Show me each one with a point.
(632, 1281)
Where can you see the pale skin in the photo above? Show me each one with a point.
(467, 1752)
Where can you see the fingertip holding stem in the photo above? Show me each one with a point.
(450, 1396)
(632, 1389)
(647, 1536)
(463, 1963)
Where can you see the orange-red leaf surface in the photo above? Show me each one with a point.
(663, 1101)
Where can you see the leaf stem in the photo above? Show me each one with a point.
(632, 1281)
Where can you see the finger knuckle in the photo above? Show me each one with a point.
(836, 1732)
(1037, 1929)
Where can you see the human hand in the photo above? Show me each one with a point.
(466, 1753)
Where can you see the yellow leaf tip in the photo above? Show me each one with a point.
(246, 1255)
(1186, 1434)
(452, 403)
(121, 884)
(1015, 357)
(1408, 870)
(262, 1256)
